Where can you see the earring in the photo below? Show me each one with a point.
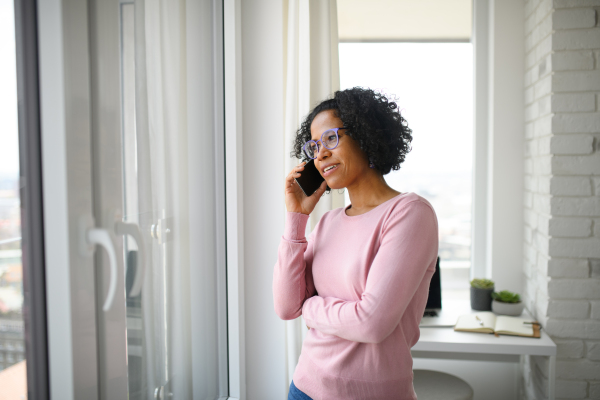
(371, 165)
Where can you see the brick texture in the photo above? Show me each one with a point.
(561, 200)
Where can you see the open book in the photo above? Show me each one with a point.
(488, 322)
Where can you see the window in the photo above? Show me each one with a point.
(433, 86)
(11, 276)
(152, 155)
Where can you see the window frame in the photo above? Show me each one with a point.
(234, 188)
(32, 225)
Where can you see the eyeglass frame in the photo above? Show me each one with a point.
(316, 142)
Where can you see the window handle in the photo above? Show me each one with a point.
(124, 228)
(98, 236)
(101, 237)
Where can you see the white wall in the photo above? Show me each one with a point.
(505, 144)
(264, 207)
(562, 189)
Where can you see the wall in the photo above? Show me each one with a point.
(264, 206)
(504, 219)
(562, 188)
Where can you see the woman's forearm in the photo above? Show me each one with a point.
(292, 275)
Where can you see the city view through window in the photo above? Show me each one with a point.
(12, 344)
(432, 85)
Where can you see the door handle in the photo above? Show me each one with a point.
(124, 228)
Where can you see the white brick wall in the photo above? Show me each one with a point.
(562, 192)
(574, 18)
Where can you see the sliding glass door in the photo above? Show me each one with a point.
(157, 229)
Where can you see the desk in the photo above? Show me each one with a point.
(445, 343)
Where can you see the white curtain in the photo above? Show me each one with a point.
(179, 304)
(163, 310)
(312, 75)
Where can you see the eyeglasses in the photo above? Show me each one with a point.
(329, 139)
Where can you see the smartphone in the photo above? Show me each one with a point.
(310, 178)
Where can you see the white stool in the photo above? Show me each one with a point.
(435, 385)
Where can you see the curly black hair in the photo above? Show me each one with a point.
(371, 119)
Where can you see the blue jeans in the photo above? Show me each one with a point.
(297, 394)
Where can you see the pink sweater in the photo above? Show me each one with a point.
(372, 274)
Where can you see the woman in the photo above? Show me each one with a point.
(361, 279)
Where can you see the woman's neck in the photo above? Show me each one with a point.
(370, 192)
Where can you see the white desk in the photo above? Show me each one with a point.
(445, 343)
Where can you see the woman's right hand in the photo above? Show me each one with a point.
(295, 199)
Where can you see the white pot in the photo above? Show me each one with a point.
(514, 309)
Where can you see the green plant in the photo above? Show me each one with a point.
(482, 283)
(506, 297)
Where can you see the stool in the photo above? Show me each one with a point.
(435, 385)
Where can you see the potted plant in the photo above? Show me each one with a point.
(481, 294)
(507, 303)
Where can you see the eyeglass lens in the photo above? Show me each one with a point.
(329, 140)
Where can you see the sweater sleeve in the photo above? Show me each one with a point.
(408, 245)
(292, 277)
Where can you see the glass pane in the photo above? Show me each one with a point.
(130, 202)
(433, 85)
(13, 375)
(175, 342)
